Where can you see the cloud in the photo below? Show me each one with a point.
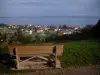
(50, 7)
(13, 1)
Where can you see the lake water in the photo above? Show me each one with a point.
(48, 20)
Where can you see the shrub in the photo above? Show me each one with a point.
(3, 49)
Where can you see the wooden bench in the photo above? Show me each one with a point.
(35, 51)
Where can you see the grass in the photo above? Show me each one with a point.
(81, 53)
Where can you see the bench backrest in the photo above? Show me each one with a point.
(36, 49)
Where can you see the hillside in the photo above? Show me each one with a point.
(96, 30)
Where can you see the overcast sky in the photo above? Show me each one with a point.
(17, 8)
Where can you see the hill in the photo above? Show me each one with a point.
(96, 30)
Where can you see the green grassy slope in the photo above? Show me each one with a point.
(79, 53)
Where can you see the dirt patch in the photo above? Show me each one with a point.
(89, 70)
(63, 41)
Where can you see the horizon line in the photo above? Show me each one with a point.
(43, 16)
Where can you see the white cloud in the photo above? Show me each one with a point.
(20, 1)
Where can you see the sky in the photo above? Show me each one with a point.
(31, 8)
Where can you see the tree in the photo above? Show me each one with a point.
(38, 39)
(87, 28)
(13, 39)
(60, 27)
(2, 25)
(3, 37)
(28, 39)
(17, 37)
(20, 35)
(64, 27)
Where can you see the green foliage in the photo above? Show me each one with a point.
(3, 49)
(38, 38)
(80, 53)
(28, 39)
(51, 36)
(19, 34)
(3, 67)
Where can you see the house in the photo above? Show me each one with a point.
(28, 31)
(67, 32)
(40, 30)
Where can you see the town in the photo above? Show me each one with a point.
(33, 31)
(30, 29)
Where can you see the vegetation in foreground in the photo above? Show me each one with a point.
(81, 53)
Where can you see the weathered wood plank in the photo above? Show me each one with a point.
(36, 49)
(17, 57)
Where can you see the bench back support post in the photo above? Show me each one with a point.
(16, 57)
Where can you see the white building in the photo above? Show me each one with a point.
(30, 32)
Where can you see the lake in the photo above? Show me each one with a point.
(48, 20)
